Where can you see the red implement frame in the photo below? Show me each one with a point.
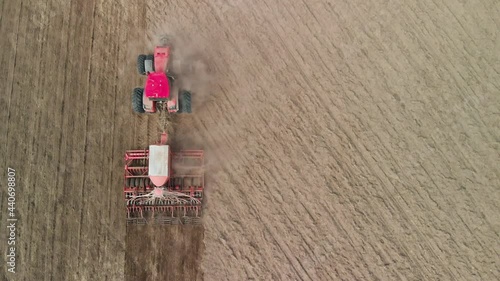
(187, 177)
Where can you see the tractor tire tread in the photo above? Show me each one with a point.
(140, 64)
(185, 102)
(137, 100)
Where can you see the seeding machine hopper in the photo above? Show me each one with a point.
(163, 187)
(157, 94)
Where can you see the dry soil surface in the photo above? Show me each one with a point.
(345, 140)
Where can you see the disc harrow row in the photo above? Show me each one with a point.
(164, 214)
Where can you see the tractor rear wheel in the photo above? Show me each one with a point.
(185, 102)
(137, 100)
(140, 64)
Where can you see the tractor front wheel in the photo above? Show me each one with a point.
(141, 68)
(137, 105)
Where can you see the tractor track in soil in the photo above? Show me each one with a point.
(345, 140)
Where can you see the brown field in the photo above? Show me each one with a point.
(345, 140)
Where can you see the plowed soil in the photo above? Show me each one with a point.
(345, 140)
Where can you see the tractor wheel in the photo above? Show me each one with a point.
(140, 64)
(137, 182)
(137, 100)
(185, 102)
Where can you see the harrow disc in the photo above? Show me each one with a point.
(196, 221)
(186, 220)
(164, 220)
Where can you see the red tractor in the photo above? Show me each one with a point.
(157, 94)
(162, 186)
